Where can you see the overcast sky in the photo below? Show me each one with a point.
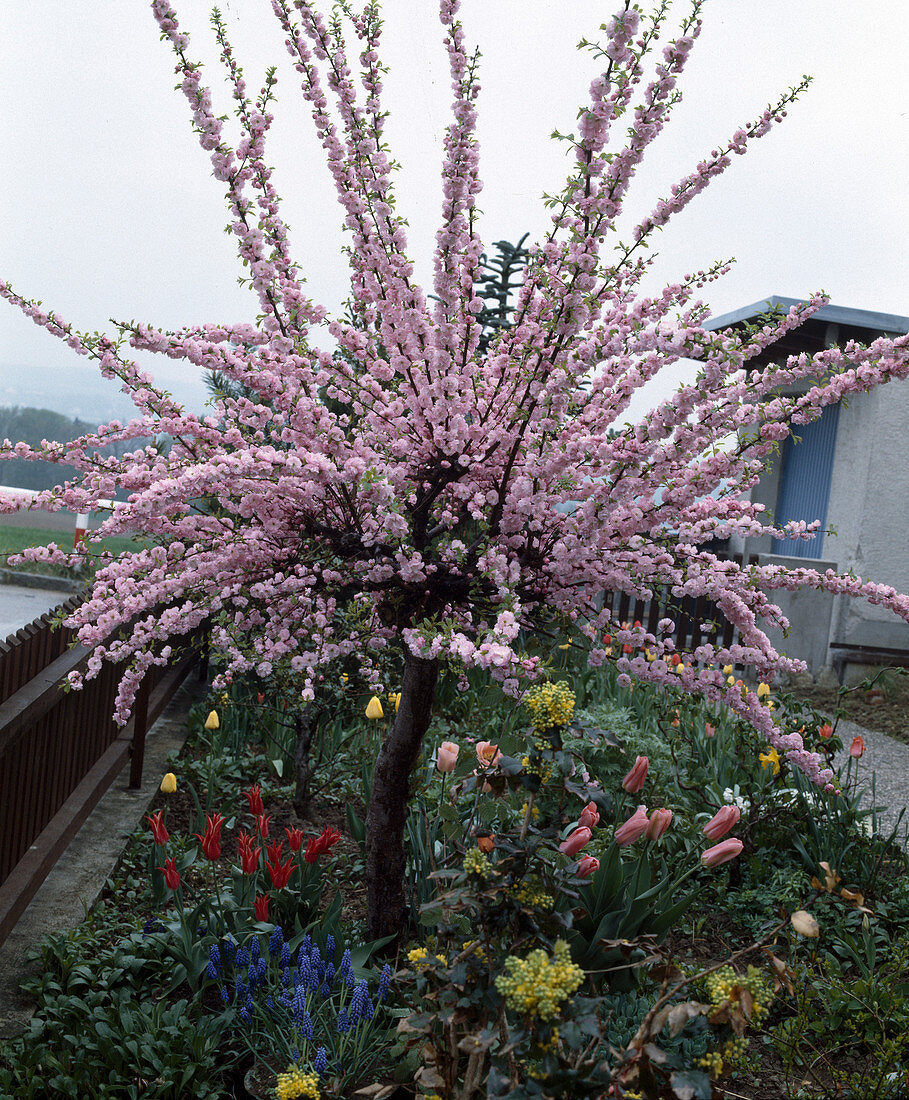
(110, 209)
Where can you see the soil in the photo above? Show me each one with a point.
(885, 708)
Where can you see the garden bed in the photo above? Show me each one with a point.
(127, 967)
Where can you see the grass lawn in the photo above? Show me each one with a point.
(13, 540)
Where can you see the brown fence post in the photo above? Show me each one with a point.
(140, 728)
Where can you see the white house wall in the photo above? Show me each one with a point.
(869, 510)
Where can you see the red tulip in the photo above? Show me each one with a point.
(857, 747)
(211, 839)
(317, 846)
(274, 850)
(249, 857)
(279, 873)
(658, 824)
(722, 821)
(262, 821)
(156, 821)
(294, 838)
(574, 843)
(171, 875)
(825, 731)
(634, 780)
(634, 828)
(260, 697)
(588, 866)
(722, 852)
(260, 908)
(709, 730)
(589, 816)
(254, 798)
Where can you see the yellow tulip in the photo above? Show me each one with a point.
(395, 697)
(762, 690)
(727, 669)
(169, 783)
(211, 722)
(374, 708)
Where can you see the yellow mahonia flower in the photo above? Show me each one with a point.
(534, 811)
(539, 983)
(550, 704)
(770, 759)
(531, 892)
(476, 863)
(295, 1083)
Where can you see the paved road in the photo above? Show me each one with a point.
(20, 605)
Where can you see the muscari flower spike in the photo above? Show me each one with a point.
(276, 942)
(320, 1063)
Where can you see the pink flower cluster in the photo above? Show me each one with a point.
(404, 486)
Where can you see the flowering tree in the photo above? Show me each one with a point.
(413, 489)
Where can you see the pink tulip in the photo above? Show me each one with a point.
(658, 824)
(488, 754)
(588, 866)
(447, 756)
(721, 822)
(709, 730)
(578, 839)
(722, 852)
(589, 816)
(634, 827)
(634, 780)
(857, 747)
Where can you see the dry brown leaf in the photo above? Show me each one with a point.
(805, 924)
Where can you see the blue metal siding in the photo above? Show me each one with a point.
(807, 467)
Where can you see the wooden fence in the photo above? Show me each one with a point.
(60, 750)
(689, 614)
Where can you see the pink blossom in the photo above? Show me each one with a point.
(634, 780)
(723, 820)
(587, 866)
(575, 842)
(487, 753)
(447, 756)
(590, 816)
(722, 852)
(634, 828)
(660, 821)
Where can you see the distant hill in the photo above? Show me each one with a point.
(29, 425)
(78, 390)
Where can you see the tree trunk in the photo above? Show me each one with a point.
(387, 813)
(304, 728)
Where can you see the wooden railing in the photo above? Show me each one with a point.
(61, 750)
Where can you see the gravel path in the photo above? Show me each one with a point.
(888, 761)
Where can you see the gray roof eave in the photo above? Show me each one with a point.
(857, 318)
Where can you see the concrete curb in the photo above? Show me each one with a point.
(39, 580)
(74, 885)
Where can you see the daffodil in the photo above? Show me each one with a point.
(770, 759)
(374, 708)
